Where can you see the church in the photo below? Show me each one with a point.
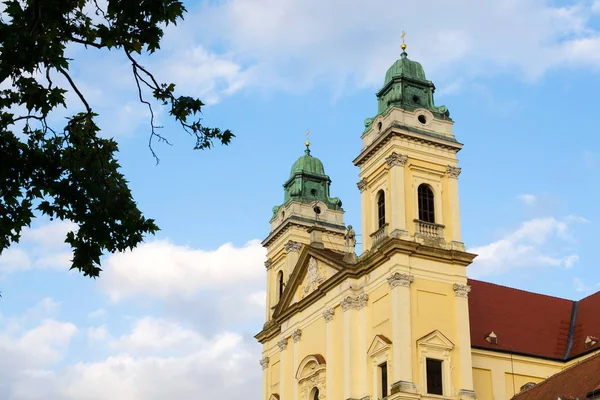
(402, 320)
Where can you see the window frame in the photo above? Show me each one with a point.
(436, 346)
(426, 203)
(380, 202)
(428, 373)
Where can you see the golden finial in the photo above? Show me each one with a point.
(307, 143)
(403, 45)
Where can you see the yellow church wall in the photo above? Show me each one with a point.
(482, 384)
(503, 369)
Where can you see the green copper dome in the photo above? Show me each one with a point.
(405, 68)
(308, 183)
(307, 164)
(407, 87)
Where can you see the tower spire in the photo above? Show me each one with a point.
(307, 143)
(403, 46)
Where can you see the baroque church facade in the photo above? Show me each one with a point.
(401, 320)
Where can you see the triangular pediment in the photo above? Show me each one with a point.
(314, 267)
(380, 343)
(436, 339)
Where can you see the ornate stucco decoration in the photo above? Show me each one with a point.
(296, 335)
(461, 290)
(268, 264)
(264, 363)
(311, 374)
(282, 344)
(292, 246)
(355, 302)
(396, 159)
(362, 185)
(398, 279)
(313, 277)
(453, 172)
(328, 314)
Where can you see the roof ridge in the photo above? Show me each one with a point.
(571, 334)
(558, 373)
(523, 290)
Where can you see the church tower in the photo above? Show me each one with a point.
(392, 323)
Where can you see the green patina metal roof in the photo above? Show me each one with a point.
(308, 183)
(405, 68)
(406, 87)
(307, 164)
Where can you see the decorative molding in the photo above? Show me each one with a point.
(292, 246)
(461, 290)
(398, 279)
(296, 335)
(282, 344)
(362, 185)
(403, 387)
(313, 277)
(465, 394)
(453, 172)
(328, 314)
(268, 264)
(355, 302)
(396, 159)
(264, 363)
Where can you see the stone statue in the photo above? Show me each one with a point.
(350, 237)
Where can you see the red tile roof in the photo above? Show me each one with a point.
(531, 323)
(524, 322)
(576, 381)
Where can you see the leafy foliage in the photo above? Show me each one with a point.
(71, 173)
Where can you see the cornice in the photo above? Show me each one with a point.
(367, 262)
(409, 133)
(304, 224)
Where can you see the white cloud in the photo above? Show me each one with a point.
(536, 243)
(580, 285)
(97, 333)
(528, 199)
(162, 269)
(151, 335)
(292, 44)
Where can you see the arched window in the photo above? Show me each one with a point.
(426, 203)
(280, 283)
(315, 395)
(380, 209)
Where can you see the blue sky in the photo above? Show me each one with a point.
(176, 316)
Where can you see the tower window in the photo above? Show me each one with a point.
(422, 119)
(384, 379)
(380, 209)
(434, 377)
(280, 283)
(426, 204)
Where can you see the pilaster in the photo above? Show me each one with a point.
(396, 163)
(452, 196)
(364, 201)
(296, 335)
(264, 363)
(464, 341)
(402, 347)
(355, 342)
(292, 249)
(282, 360)
(328, 315)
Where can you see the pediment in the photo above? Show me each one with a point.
(380, 343)
(436, 339)
(313, 268)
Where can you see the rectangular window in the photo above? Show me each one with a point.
(384, 380)
(434, 377)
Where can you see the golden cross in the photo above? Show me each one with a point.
(403, 46)
(307, 135)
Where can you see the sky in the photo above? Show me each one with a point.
(175, 318)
